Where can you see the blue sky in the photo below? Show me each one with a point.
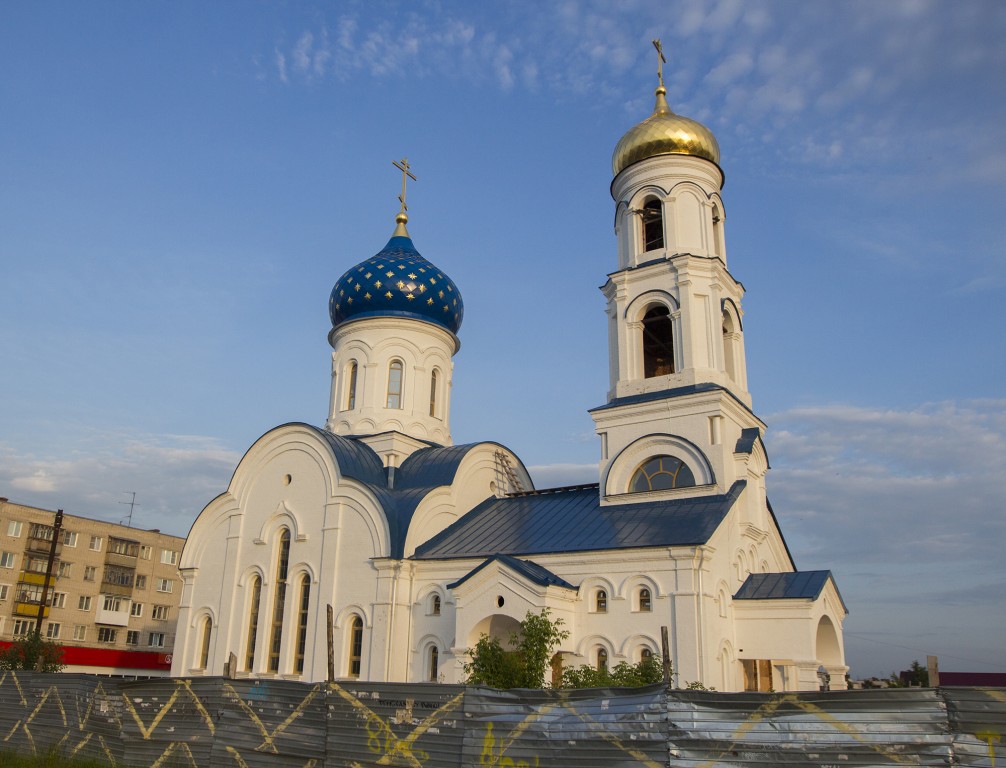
(182, 183)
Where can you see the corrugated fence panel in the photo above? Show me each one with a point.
(848, 728)
(978, 722)
(418, 724)
(580, 729)
(166, 721)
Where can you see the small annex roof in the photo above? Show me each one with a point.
(574, 520)
(533, 572)
(795, 585)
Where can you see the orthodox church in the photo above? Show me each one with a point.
(379, 538)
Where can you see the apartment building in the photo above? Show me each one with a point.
(113, 596)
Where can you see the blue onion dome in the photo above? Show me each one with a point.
(397, 282)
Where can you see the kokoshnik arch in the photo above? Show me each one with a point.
(420, 546)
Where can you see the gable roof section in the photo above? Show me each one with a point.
(573, 520)
(796, 585)
(531, 571)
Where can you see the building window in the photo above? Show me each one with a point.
(36, 564)
(644, 600)
(302, 614)
(4, 591)
(64, 570)
(602, 660)
(52, 630)
(57, 599)
(141, 582)
(355, 646)
(84, 603)
(95, 543)
(112, 603)
(118, 576)
(434, 666)
(132, 637)
(282, 563)
(29, 593)
(89, 571)
(22, 627)
(601, 601)
(136, 609)
(645, 655)
(395, 384)
(653, 225)
(435, 605)
(718, 248)
(658, 342)
(7, 559)
(69, 538)
(106, 635)
(660, 474)
(256, 597)
(79, 632)
(351, 394)
(433, 393)
(156, 640)
(169, 557)
(165, 585)
(146, 552)
(204, 650)
(14, 528)
(123, 547)
(160, 613)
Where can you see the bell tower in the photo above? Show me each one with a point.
(678, 380)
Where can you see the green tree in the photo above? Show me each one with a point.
(32, 651)
(623, 675)
(525, 663)
(915, 675)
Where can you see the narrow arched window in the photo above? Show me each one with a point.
(305, 602)
(282, 563)
(645, 655)
(395, 384)
(434, 667)
(660, 474)
(204, 651)
(433, 393)
(435, 605)
(602, 660)
(601, 601)
(653, 225)
(256, 598)
(717, 231)
(355, 646)
(351, 390)
(658, 342)
(644, 600)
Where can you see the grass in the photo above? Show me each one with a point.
(49, 760)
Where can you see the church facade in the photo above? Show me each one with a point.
(419, 546)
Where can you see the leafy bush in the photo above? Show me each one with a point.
(525, 663)
(624, 675)
(32, 652)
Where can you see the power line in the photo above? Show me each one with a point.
(924, 651)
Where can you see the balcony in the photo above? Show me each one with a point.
(28, 608)
(115, 618)
(40, 546)
(114, 558)
(31, 577)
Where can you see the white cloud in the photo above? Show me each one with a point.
(281, 66)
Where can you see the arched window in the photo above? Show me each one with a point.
(730, 352)
(646, 654)
(433, 393)
(395, 384)
(658, 342)
(602, 660)
(435, 605)
(434, 666)
(653, 225)
(204, 651)
(717, 231)
(661, 473)
(282, 563)
(355, 646)
(305, 602)
(644, 600)
(351, 391)
(601, 601)
(256, 598)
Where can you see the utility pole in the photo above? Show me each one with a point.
(56, 529)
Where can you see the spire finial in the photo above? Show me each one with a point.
(403, 217)
(661, 60)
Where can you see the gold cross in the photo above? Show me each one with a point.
(404, 167)
(660, 61)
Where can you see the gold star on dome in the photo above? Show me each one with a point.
(349, 300)
(450, 287)
(433, 281)
(422, 288)
(388, 295)
(409, 296)
(401, 285)
(389, 273)
(401, 266)
(412, 276)
(341, 294)
(377, 283)
(441, 294)
(356, 287)
(349, 280)
(422, 269)
(337, 307)
(429, 300)
(367, 296)
(446, 308)
(368, 275)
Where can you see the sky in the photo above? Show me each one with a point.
(182, 183)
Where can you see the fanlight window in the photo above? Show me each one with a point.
(658, 342)
(653, 226)
(355, 646)
(395, 385)
(601, 601)
(661, 473)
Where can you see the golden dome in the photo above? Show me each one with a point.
(664, 133)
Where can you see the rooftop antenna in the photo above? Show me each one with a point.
(132, 503)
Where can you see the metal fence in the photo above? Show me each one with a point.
(216, 722)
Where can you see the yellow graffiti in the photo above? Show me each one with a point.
(489, 757)
(17, 684)
(178, 746)
(268, 737)
(187, 685)
(991, 738)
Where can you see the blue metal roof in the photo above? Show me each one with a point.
(397, 282)
(529, 570)
(573, 520)
(796, 585)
